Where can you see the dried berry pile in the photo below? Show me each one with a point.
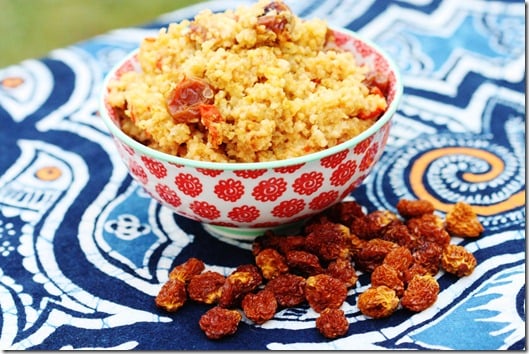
(403, 252)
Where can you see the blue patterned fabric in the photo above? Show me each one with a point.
(83, 250)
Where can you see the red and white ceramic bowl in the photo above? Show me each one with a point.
(242, 200)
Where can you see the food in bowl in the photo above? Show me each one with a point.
(254, 84)
(241, 200)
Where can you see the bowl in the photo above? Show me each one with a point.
(243, 200)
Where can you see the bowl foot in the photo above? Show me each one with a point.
(249, 234)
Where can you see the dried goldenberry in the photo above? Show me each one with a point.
(288, 289)
(277, 19)
(242, 280)
(219, 322)
(206, 287)
(323, 291)
(421, 293)
(457, 260)
(378, 302)
(345, 212)
(388, 276)
(259, 307)
(281, 243)
(343, 270)
(415, 269)
(185, 271)
(463, 221)
(172, 295)
(373, 254)
(414, 208)
(402, 255)
(332, 323)
(429, 228)
(372, 225)
(428, 255)
(271, 263)
(399, 233)
(400, 259)
(329, 241)
(355, 245)
(303, 263)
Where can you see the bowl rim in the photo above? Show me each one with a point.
(237, 166)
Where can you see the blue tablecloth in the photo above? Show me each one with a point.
(83, 250)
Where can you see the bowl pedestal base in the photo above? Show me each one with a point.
(249, 234)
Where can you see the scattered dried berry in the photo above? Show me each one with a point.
(206, 287)
(171, 296)
(388, 276)
(399, 233)
(421, 293)
(428, 255)
(303, 263)
(415, 269)
(414, 208)
(332, 323)
(402, 256)
(323, 291)
(400, 259)
(185, 271)
(373, 224)
(457, 260)
(378, 302)
(289, 289)
(280, 243)
(344, 212)
(343, 270)
(429, 228)
(242, 280)
(271, 263)
(219, 322)
(329, 241)
(463, 221)
(259, 307)
(373, 253)
(355, 245)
